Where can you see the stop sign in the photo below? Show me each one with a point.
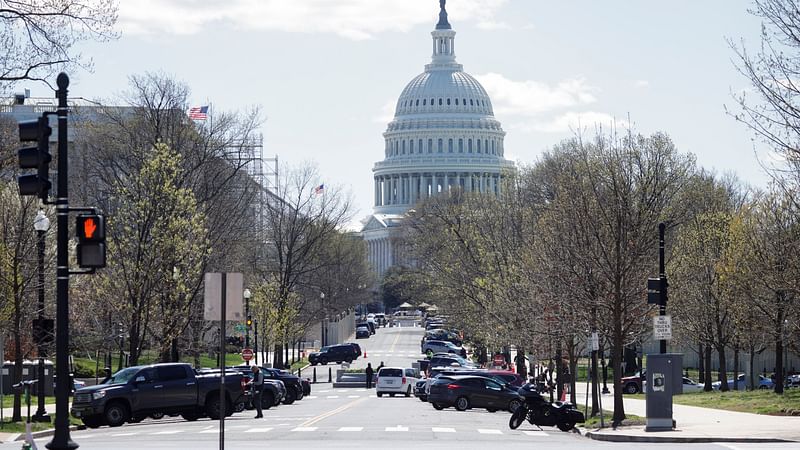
(247, 354)
(499, 360)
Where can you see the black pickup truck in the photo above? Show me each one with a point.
(172, 388)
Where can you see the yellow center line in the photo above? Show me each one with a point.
(323, 416)
(395, 342)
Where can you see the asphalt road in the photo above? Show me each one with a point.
(354, 418)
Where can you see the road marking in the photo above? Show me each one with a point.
(323, 416)
(311, 396)
(397, 428)
(353, 396)
(332, 396)
(323, 391)
(351, 428)
(169, 432)
(535, 433)
(483, 431)
(443, 430)
(397, 336)
(305, 429)
(124, 434)
(210, 431)
(258, 430)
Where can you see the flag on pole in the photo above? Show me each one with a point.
(198, 113)
(319, 189)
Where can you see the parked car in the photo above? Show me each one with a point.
(369, 325)
(451, 371)
(419, 390)
(362, 331)
(690, 385)
(380, 319)
(395, 380)
(292, 383)
(792, 381)
(742, 383)
(333, 353)
(512, 378)
(440, 334)
(450, 360)
(432, 347)
(469, 391)
(133, 393)
(356, 348)
(633, 383)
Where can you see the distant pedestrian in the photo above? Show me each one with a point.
(379, 367)
(257, 388)
(370, 373)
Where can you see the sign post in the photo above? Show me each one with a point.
(247, 354)
(662, 328)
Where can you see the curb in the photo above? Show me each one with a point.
(678, 439)
(43, 433)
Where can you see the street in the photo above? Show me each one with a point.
(353, 418)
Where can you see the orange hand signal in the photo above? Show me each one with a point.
(89, 227)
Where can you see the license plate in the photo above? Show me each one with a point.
(389, 381)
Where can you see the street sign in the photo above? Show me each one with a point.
(662, 328)
(498, 360)
(654, 291)
(594, 341)
(234, 310)
(247, 354)
(240, 328)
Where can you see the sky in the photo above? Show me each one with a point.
(326, 73)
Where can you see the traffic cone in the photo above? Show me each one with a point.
(365, 353)
(564, 393)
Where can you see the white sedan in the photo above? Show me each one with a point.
(690, 385)
(396, 380)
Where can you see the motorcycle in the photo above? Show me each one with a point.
(540, 412)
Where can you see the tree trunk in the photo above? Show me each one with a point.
(708, 381)
(277, 356)
(559, 372)
(752, 373)
(779, 348)
(701, 364)
(736, 368)
(593, 373)
(133, 346)
(17, 375)
(616, 352)
(723, 375)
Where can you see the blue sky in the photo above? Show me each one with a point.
(326, 73)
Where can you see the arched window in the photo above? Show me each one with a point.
(478, 142)
(404, 147)
(469, 145)
(456, 102)
(440, 102)
(470, 103)
(430, 145)
(417, 102)
(450, 146)
(432, 102)
(460, 146)
(486, 145)
(411, 146)
(493, 147)
(448, 102)
(423, 101)
(419, 146)
(441, 145)
(465, 102)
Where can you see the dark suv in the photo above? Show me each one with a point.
(333, 353)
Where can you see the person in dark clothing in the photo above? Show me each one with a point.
(370, 373)
(379, 367)
(107, 372)
(257, 388)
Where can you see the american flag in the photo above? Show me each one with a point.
(319, 189)
(198, 113)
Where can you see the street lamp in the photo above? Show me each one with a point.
(247, 295)
(41, 224)
(322, 319)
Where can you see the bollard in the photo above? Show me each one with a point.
(330, 377)
(315, 374)
(299, 373)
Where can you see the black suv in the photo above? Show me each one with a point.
(333, 353)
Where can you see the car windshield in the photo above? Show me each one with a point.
(324, 349)
(391, 373)
(123, 376)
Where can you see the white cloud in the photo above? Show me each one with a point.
(532, 98)
(641, 83)
(387, 112)
(351, 19)
(578, 121)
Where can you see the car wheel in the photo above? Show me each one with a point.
(408, 392)
(631, 388)
(379, 394)
(190, 416)
(491, 410)
(391, 394)
(462, 403)
(513, 405)
(422, 398)
(116, 414)
(323, 361)
(517, 417)
(214, 407)
(565, 426)
(267, 400)
(158, 415)
(438, 406)
(93, 421)
(239, 407)
(291, 396)
(300, 393)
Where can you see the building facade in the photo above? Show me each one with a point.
(443, 137)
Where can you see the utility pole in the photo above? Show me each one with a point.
(662, 275)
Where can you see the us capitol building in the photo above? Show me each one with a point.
(443, 137)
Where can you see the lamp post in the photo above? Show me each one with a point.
(322, 319)
(246, 294)
(255, 338)
(41, 224)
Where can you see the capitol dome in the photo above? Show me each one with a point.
(443, 137)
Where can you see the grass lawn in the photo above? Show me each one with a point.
(594, 422)
(299, 364)
(8, 401)
(87, 366)
(758, 401)
(19, 427)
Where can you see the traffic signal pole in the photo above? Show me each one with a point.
(662, 274)
(61, 438)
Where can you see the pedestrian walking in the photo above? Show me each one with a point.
(257, 388)
(369, 372)
(379, 367)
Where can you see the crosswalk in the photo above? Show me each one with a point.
(302, 429)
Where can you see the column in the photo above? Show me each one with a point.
(458, 180)
(482, 183)
(377, 192)
(446, 188)
(385, 191)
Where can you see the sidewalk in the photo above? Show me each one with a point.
(695, 424)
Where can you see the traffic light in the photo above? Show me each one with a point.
(37, 157)
(91, 230)
(249, 321)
